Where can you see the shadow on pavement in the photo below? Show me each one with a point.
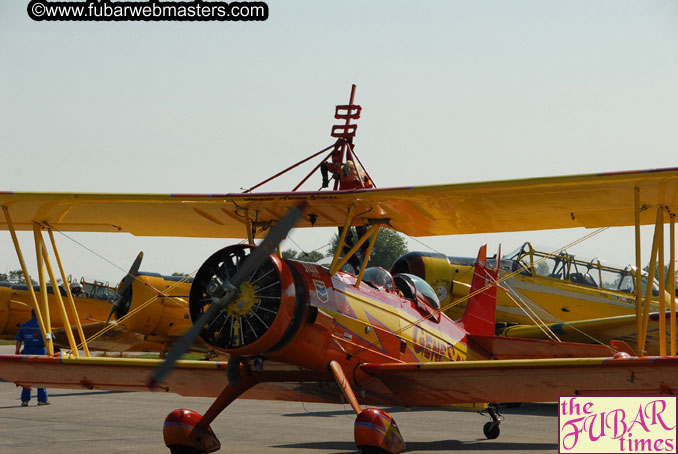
(432, 446)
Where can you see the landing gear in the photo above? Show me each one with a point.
(183, 435)
(374, 431)
(491, 428)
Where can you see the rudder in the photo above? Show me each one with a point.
(481, 308)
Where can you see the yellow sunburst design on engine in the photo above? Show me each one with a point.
(245, 301)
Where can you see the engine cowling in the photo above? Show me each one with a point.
(433, 268)
(261, 317)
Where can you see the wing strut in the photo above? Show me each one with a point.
(42, 310)
(44, 262)
(666, 290)
(657, 243)
(74, 310)
(672, 282)
(24, 269)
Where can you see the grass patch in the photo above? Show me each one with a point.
(7, 342)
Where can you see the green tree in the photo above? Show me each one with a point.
(3, 277)
(179, 274)
(666, 275)
(292, 254)
(389, 246)
(17, 277)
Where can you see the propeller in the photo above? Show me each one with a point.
(124, 295)
(222, 294)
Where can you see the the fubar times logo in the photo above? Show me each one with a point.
(617, 424)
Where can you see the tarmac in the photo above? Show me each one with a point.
(107, 422)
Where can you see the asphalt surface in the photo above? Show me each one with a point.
(128, 422)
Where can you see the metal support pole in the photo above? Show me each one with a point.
(341, 241)
(662, 299)
(248, 226)
(355, 247)
(366, 259)
(639, 277)
(292, 167)
(60, 302)
(314, 169)
(37, 238)
(672, 281)
(71, 302)
(650, 283)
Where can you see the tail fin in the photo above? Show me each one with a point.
(481, 308)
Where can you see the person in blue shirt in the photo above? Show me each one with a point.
(29, 334)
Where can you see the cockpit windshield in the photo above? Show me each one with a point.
(379, 277)
(95, 290)
(564, 266)
(421, 286)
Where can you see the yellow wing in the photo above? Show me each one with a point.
(605, 330)
(594, 200)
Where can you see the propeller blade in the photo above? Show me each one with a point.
(125, 285)
(223, 295)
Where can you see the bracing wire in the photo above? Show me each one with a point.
(140, 307)
(504, 278)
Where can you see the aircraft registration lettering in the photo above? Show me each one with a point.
(310, 268)
(430, 347)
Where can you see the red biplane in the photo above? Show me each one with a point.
(368, 337)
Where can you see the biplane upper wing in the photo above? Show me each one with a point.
(541, 380)
(593, 200)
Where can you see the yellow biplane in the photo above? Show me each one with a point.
(572, 299)
(365, 338)
(146, 312)
(333, 352)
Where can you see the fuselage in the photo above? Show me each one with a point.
(348, 324)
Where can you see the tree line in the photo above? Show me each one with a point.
(15, 277)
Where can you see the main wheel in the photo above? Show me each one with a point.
(491, 430)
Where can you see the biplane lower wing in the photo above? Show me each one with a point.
(525, 380)
(190, 378)
(421, 384)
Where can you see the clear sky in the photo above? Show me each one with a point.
(452, 91)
